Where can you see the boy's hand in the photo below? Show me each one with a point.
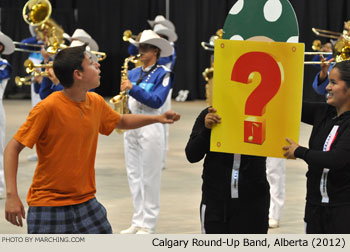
(169, 117)
(14, 210)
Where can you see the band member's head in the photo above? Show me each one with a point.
(149, 40)
(75, 63)
(338, 87)
(165, 32)
(6, 44)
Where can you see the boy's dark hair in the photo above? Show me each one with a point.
(344, 71)
(66, 61)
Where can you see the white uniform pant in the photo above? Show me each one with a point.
(143, 156)
(166, 106)
(276, 175)
(34, 96)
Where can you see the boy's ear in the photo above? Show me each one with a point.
(77, 74)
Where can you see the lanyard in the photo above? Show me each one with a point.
(144, 74)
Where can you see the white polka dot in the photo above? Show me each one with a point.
(293, 39)
(236, 37)
(237, 7)
(272, 10)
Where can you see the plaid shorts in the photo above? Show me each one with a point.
(89, 217)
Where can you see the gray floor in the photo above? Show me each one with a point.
(181, 181)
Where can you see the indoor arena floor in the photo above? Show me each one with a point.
(181, 181)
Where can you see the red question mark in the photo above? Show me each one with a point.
(269, 85)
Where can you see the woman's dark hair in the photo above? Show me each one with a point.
(344, 71)
(66, 61)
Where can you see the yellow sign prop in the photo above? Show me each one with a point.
(258, 94)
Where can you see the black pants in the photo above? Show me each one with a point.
(326, 219)
(236, 216)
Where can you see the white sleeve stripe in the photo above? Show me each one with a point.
(166, 80)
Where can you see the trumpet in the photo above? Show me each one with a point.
(28, 80)
(127, 34)
(30, 66)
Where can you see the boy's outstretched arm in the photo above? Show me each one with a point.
(133, 121)
(14, 210)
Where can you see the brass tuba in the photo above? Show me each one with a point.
(37, 13)
(120, 101)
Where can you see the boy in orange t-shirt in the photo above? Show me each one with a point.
(64, 127)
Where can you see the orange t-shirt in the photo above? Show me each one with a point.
(65, 134)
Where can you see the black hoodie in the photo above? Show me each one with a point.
(324, 118)
(217, 171)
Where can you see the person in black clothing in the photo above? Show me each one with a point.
(328, 156)
(235, 191)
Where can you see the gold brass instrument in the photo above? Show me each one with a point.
(341, 48)
(316, 45)
(100, 55)
(30, 66)
(36, 12)
(208, 76)
(326, 33)
(20, 81)
(29, 79)
(120, 101)
(209, 72)
(127, 34)
(210, 46)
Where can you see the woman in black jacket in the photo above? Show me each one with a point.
(235, 191)
(328, 156)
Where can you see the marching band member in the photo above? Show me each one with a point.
(6, 47)
(170, 35)
(235, 190)
(328, 157)
(65, 127)
(36, 58)
(148, 87)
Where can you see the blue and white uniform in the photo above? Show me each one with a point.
(320, 88)
(5, 73)
(143, 145)
(169, 62)
(36, 58)
(47, 87)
